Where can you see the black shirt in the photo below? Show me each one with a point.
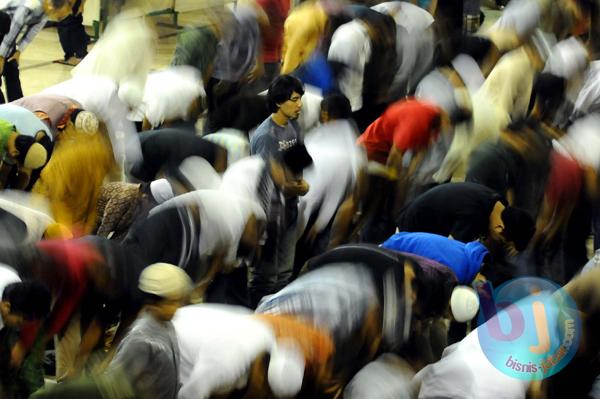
(494, 165)
(458, 209)
(167, 149)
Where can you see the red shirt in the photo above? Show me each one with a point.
(66, 275)
(406, 124)
(277, 11)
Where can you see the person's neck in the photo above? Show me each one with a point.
(280, 119)
(11, 140)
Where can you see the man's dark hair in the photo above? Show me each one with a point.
(549, 91)
(337, 106)
(519, 227)
(28, 298)
(297, 158)
(281, 90)
(23, 144)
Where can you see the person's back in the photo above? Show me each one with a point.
(458, 209)
(167, 148)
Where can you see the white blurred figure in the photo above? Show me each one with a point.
(111, 78)
(337, 165)
(171, 96)
(218, 345)
(414, 43)
(387, 377)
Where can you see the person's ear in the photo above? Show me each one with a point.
(324, 116)
(4, 307)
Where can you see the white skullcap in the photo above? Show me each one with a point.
(161, 190)
(286, 370)
(567, 58)
(86, 122)
(464, 303)
(165, 280)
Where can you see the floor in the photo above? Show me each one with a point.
(38, 70)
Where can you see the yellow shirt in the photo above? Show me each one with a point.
(302, 33)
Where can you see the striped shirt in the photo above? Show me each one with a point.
(27, 19)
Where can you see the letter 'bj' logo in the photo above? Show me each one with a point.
(529, 328)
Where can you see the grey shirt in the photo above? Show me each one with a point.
(270, 139)
(148, 361)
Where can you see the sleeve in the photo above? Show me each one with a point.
(16, 26)
(31, 32)
(263, 146)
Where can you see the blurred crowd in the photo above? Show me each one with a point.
(308, 202)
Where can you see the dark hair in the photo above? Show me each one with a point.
(58, 3)
(23, 144)
(549, 91)
(475, 46)
(151, 299)
(337, 106)
(29, 298)
(281, 90)
(519, 227)
(296, 158)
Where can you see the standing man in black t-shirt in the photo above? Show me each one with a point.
(467, 212)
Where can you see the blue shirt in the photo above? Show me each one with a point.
(463, 259)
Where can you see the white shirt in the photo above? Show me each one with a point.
(464, 372)
(7, 277)
(217, 346)
(351, 46)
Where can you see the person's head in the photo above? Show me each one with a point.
(27, 152)
(334, 107)
(166, 288)
(57, 10)
(511, 229)
(549, 94)
(519, 227)
(285, 96)
(85, 122)
(24, 301)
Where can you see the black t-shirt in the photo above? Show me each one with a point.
(494, 165)
(168, 148)
(458, 209)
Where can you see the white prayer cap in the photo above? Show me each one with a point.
(86, 122)
(165, 280)
(161, 190)
(464, 303)
(567, 58)
(286, 370)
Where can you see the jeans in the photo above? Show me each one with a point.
(275, 268)
(11, 69)
(72, 35)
